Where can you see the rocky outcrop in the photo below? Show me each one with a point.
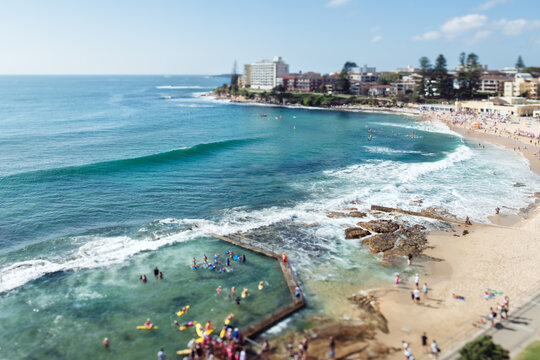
(356, 233)
(381, 242)
(369, 304)
(337, 214)
(379, 226)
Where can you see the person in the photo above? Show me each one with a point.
(143, 278)
(396, 280)
(238, 300)
(161, 354)
(425, 290)
(243, 355)
(265, 349)
(194, 261)
(468, 221)
(404, 344)
(409, 259)
(156, 271)
(218, 290)
(416, 280)
(416, 293)
(332, 346)
(458, 297)
(297, 291)
(412, 296)
(491, 316)
(160, 275)
(205, 259)
(176, 324)
(228, 262)
(284, 257)
(305, 342)
(106, 342)
(243, 258)
(424, 340)
(497, 210)
(148, 323)
(435, 348)
(208, 325)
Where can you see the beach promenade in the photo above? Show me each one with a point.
(514, 334)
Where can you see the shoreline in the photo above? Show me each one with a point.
(465, 260)
(467, 265)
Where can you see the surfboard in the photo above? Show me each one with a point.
(144, 327)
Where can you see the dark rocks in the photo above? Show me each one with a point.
(356, 233)
(379, 226)
(380, 242)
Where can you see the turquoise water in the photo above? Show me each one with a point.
(104, 177)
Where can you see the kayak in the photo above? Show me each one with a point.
(182, 312)
(144, 327)
(183, 352)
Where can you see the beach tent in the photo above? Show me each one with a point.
(476, 125)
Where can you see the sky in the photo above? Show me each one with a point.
(207, 36)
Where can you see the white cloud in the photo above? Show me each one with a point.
(334, 3)
(489, 4)
(518, 26)
(376, 38)
(430, 35)
(459, 25)
(474, 27)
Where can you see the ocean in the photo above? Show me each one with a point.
(102, 178)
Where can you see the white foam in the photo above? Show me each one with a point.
(389, 151)
(175, 87)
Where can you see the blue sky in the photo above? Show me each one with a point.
(206, 36)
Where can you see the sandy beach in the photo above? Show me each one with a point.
(466, 260)
(499, 257)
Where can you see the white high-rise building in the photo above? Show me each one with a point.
(263, 74)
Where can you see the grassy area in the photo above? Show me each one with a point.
(531, 352)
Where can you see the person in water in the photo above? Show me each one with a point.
(156, 271)
(194, 261)
(148, 323)
(160, 275)
(205, 259)
(284, 257)
(228, 262)
(243, 258)
(143, 278)
(238, 300)
(106, 342)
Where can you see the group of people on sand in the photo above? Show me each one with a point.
(299, 352)
(501, 313)
(432, 350)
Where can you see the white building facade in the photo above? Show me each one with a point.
(263, 74)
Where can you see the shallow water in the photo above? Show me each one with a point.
(103, 177)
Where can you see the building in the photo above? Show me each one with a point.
(509, 70)
(379, 90)
(523, 84)
(492, 84)
(264, 74)
(407, 70)
(407, 85)
(308, 82)
(503, 106)
(362, 69)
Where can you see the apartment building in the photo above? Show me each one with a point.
(523, 83)
(263, 74)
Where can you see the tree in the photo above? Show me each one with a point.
(348, 65)
(443, 81)
(343, 83)
(519, 64)
(234, 75)
(483, 348)
(469, 74)
(424, 86)
(389, 78)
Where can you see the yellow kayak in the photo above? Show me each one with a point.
(182, 312)
(183, 352)
(222, 333)
(144, 327)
